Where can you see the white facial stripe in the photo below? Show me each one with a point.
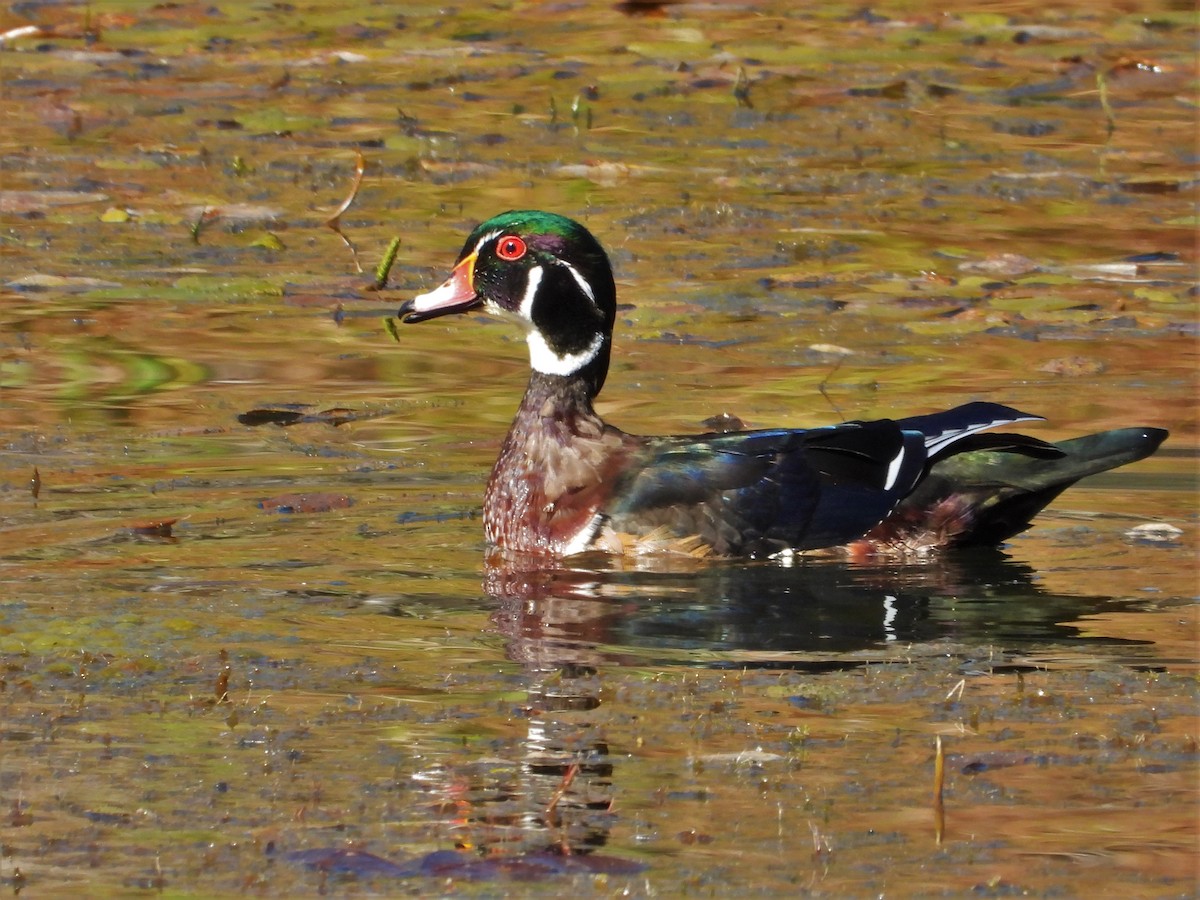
(580, 280)
(543, 359)
(491, 235)
(531, 289)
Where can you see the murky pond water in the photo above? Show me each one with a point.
(275, 659)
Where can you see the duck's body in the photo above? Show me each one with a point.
(555, 470)
(566, 482)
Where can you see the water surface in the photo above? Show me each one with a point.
(269, 659)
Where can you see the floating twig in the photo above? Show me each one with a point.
(568, 777)
(824, 381)
(1109, 117)
(334, 222)
(741, 89)
(222, 686)
(581, 110)
(206, 215)
(939, 778)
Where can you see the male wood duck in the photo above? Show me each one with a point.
(567, 482)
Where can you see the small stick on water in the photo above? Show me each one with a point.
(957, 689)
(385, 265)
(824, 381)
(206, 215)
(568, 777)
(939, 779)
(334, 222)
(1109, 117)
(222, 688)
(741, 89)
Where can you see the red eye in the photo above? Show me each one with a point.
(510, 248)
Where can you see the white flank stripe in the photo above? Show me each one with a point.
(583, 537)
(894, 470)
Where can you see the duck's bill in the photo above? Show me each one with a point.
(456, 294)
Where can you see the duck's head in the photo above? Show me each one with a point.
(545, 272)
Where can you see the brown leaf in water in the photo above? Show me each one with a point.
(306, 503)
(453, 167)
(256, 417)
(160, 528)
(974, 763)
(723, 423)
(284, 417)
(238, 213)
(221, 690)
(18, 816)
(896, 90)
(606, 174)
(644, 7)
(60, 116)
(1001, 264)
(39, 201)
(1072, 366)
(1151, 185)
(63, 283)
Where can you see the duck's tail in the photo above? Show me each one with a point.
(985, 496)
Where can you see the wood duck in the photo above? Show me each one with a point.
(567, 482)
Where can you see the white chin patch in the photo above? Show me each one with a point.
(543, 359)
(532, 283)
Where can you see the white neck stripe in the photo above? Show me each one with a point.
(543, 359)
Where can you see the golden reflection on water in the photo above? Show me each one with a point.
(905, 215)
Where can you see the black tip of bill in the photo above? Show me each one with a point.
(409, 314)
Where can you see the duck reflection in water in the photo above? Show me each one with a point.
(763, 614)
(567, 623)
